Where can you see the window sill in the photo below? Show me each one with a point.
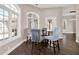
(4, 42)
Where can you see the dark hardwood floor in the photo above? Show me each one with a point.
(68, 46)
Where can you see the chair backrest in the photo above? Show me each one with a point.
(35, 35)
(56, 32)
(44, 31)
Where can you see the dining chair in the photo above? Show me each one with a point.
(35, 35)
(36, 40)
(54, 39)
(44, 31)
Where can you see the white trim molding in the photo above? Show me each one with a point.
(77, 41)
(10, 50)
(68, 32)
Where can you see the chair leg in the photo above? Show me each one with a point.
(58, 45)
(54, 47)
(32, 48)
(26, 39)
(50, 43)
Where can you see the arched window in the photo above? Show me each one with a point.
(8, 21)
(33, 20)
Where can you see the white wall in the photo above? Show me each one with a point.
(50, 12)
(43, 13)
(69, 26)
(69, 19)
(77, 23)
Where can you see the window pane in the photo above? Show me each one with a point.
(1, 11)
(1, 30)
(14, 25)
(1, 27)
(13, 15)
(5, 13)
(14, 32)
(35, 23)
(6, 30)
(5, 24)
(16, 20)
(1, 24)
(6, 18)
(6, 35)
(1, 17)
(30, 15)
(1, 36)
(13, 22)
(16, 17)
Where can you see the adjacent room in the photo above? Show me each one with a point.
(39, 29)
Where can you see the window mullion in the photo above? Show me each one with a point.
(9, 23)
(10, 28)
(3, 25)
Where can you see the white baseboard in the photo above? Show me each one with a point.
(69, 32)
(10, 50)
(77, 41)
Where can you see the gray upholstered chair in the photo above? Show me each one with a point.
(36, 40)
(35, 35)
(54, 38)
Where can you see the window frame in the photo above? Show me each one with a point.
(18, 25)
(34, 14)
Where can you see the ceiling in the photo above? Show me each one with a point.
(50, 5)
